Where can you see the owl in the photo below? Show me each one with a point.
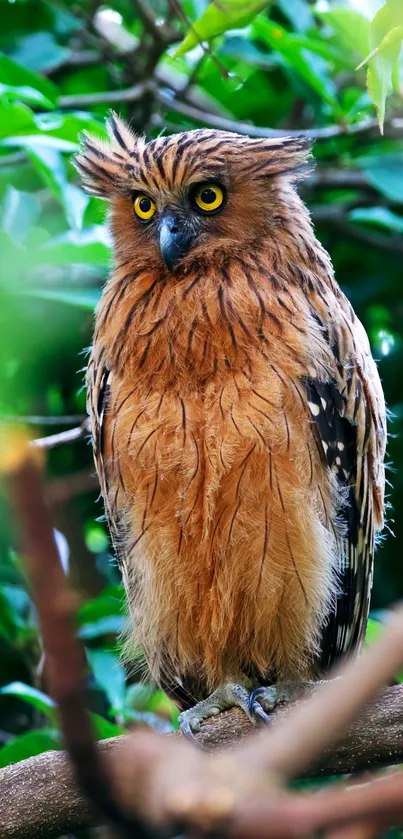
(237, 417)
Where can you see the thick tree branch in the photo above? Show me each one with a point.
(39, 798)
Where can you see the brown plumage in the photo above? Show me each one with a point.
(237, 414)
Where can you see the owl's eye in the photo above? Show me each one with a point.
(144, 207)
(209, 197)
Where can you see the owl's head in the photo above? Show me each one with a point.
(186, 196)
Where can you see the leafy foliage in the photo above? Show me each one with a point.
(285, 65)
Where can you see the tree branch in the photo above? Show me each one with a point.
(112, 97)
(162, 33)
(33, 419)
(69, 436)
(39, 798)
(395, 126)
(169, 100)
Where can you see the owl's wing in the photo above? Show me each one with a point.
(348, 416)
(99, 379)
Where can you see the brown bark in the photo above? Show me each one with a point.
(38, 797)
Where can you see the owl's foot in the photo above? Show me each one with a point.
(270, 697)
(257, 704)
(227, 695)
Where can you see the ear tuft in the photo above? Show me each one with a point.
(296, 152)
(283, 156)
(120, 133)
(102, 165)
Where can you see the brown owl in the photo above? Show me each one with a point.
(237, 416)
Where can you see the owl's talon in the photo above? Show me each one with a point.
(187, 730)
(257, 715)
(265, 697)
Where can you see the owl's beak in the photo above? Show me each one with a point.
(174, 240)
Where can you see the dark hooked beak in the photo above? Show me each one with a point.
(174, 240)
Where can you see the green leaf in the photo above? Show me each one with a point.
(77, 246)
(20, 211)
(103, 729)
(39, 51)
(379, 216)
(33, 142)
(9, 619)
(15, 76)
(298, 13)
(32, 696)
(50, 164)
(80, 298)
(311, 67)
(28, 745)
(374, 631)
(111, 625)
(17, 597)
(385, 173)
(24, 93)
(380, 70)
(219, 18)
(351, 29)
(15, 119)
(386, 40)
(109, 675)
(109, 602)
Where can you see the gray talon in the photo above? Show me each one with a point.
(258, 715)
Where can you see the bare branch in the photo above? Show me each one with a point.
(161, 33)
(69, 436)
(33, 419)
(169, 100)
(112, 97)
(395, 126)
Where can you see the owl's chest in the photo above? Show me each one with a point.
(179, 451)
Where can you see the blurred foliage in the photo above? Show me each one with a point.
(285, 64)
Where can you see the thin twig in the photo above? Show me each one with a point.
(64, 437)
(161, 33)
(33, 419)
(86, 100)
(222, 69)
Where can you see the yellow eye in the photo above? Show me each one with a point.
(144, 207)
(209, 197)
